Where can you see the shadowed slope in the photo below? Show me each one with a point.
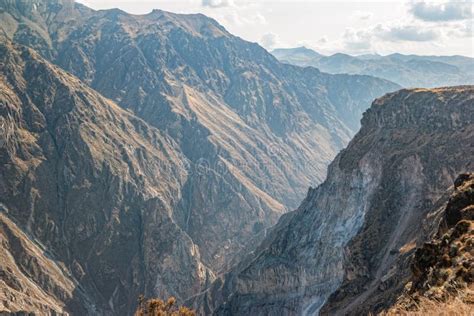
(347, 231)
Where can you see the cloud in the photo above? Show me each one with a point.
(323, 40)
(270, 41)
(216, 3)
(410, 33)
(362, 15)
(448, 11)
(357, 40)
(462, 30)
(373, 38)
(238, 19)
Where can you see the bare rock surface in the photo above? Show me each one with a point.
(96, 186)
(252, 133)
(443, 267)
(345, 249)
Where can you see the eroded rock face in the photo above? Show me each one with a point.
(256, 133)
(350, 232)
(30, 281)
(445, 264)
(443, 267)
(378, 258)
(96, 187)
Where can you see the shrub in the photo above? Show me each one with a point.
(157, 307)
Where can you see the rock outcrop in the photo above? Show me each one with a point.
(344, 246)
(443, 267)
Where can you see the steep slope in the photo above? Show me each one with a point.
(30, 281)
(95, 187)
(411, 146)
(259, 132)
(406, 70)
(443, 267)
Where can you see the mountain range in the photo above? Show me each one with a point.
(159, 146)
(160, 155)
(411, 71)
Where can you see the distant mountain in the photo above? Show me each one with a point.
(296, 56)
(406, 70)
(203, 142)
(347, 248)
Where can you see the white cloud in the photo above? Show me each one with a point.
(461, 30)
(393, 35)
(323, 40)
(270, 41)
(448, 11)
(238, 19)
(357, 40)
(410, 33)
(217, 3)
(362, 15)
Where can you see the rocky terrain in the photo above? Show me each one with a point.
(89, 194)
(25, 271)
(141, 153)
(150, 154)
(346, 248)
(443, 267)
(259, 132)
(406, 70)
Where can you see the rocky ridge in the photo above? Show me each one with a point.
(443, 267)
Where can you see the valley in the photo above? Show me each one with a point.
(160, 155)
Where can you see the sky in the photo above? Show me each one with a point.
(353, 27)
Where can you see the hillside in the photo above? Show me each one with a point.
(350, 238)
(145, 153)
(442, 268)
(88, 196)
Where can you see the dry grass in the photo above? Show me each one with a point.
(408, 247)
(458, 304)
(425, 306)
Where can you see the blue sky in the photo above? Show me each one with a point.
(355, 27)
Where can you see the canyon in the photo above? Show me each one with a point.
(161, 155)
(147, 153)
(345, 249)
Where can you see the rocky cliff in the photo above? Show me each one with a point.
(347, 238)
(443, 267)
(255, 132)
